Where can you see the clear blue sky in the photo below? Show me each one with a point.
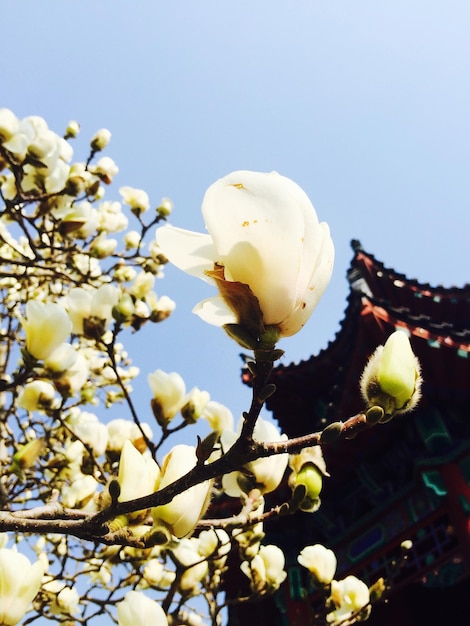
(365, 104)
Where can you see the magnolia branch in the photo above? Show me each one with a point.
(53, 518)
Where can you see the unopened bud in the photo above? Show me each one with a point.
(72, 130)
(391, 379)
(100, 140)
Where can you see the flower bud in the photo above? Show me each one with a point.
(9, 125)
(392, 379)
(106, 169)
(165, 207)
(168, 395)
(72, 130)
(195, 404)
(139, 475)
(27, 455)
(137, 199)
(100, 140)
(311, 478)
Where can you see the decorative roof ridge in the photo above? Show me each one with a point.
(442, 290)
(446, 330)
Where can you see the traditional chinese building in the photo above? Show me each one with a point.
(407, 479)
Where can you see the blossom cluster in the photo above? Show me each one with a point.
(78, 277)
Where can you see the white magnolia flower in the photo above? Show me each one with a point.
(47, 326)
(214, 544)
(188, 557)
(73, 379)
(137, 609)
(264, 241)
(142, 285)
(19, 584)
(219, 417)
(320, 562)
(132, 239)
(349, 595)
(91, 309)
(79, 492)
(62, 359)
(137, 199)
(168, 394)
(111, 217)
(155, 574)
(88, 428)
(138, 475)
(194, 404)
(9, 125)
(120, 430)
(183, 512)
(265, 473)
(64, 599)
(106, 169)
(80, 219)
(102, 246)
(266, 569)
(36, 395)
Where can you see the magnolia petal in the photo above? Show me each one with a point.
(191, 252)
(319, 281)
(397, 371)
(215, 311)
(182, 513)
(253, 217)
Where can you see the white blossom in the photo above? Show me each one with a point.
(168, 394)
(37, 395)
(19, 584)
(183, 512)
(264, 241)
(47, 325)
(218, 416)
(266, 569)
(138, 476)
(349, 595)
(264, 473)
(137, 199)
(320, 562)
(138, 609)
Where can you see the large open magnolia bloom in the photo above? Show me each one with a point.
(266, 251)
